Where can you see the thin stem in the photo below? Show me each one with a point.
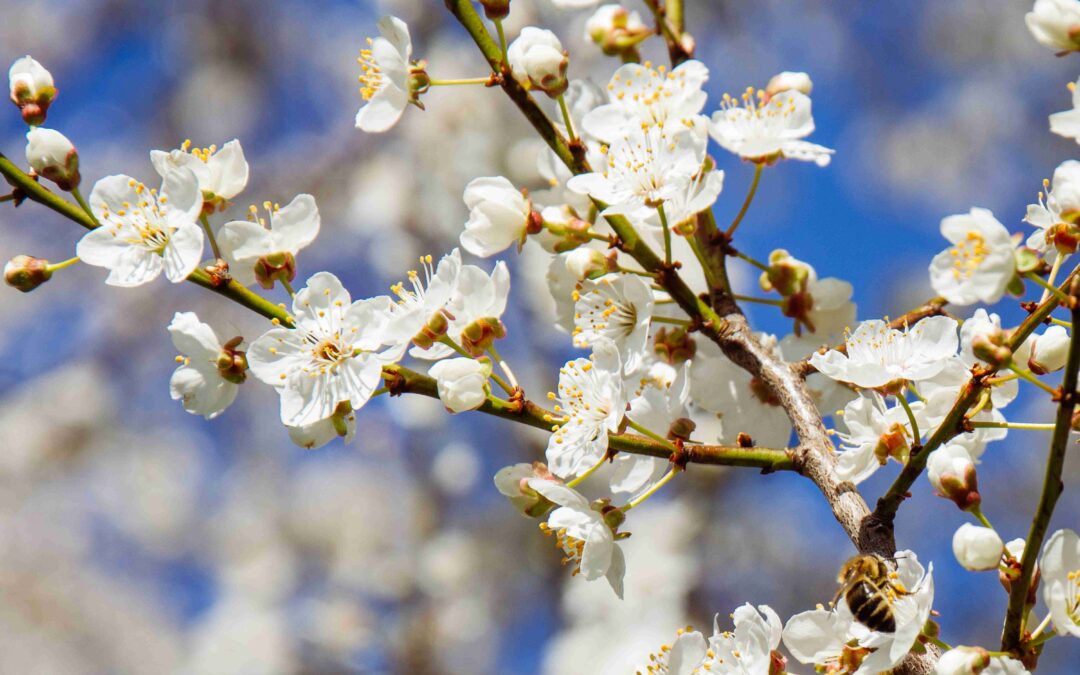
(1042, 626)
(469, 80)
(581, 479)
(502, 41)
(1002, 379)
(1030, 426)
(650, 433)
(756, 263)
(653, 490)
(675, 322)
(640, 273)
(566, 119)
(7, 198)
(746, 203)
(1050, 288)
(667, 232)
(911, 417)
(380, 391)
(1052, 487)
(710, 277)
(760, 301)
(53, 267)
(913, 390)
(504, 365)
(1059, 322)
(1054, 269)
(213, 240)
(1026, 375)
(288, 286)
(980, 516)
(449, 342)
(503, 384)
(77, 194)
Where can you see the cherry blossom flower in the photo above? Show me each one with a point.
(31, 88)
(590, 404)
(1049, 350)
(476, 306)
(513, 482)
(977, 548)
(981, 262)
(657, 405)
(330, 358)
(751, 648)
(256, 253)
(499, 216)
(424, 304)
(616, 307)
(51, 155)
(821, 637)
(1060, 570)
(385, 72)
(144, 233)
(210, 371)
(878, 355)
(317, 434)
(1067, 122)
(222, 173)
(1055, 24)
(538, 60)
(655, 97)
(962, 661)
(786, 80)
(764, 131)
(615, 29)
(951, 471)
(683, 656)
(875, 434)
(462, 383)
(583, 533)
(1056, 213)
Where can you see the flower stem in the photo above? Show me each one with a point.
(746, 203)
(1031, 426)
(673, 321)
(653, 490)
(504, 365)
(469, 80)
(667, 232)
(644, 431)
(977, 512)
(502, 41)
(1041, 627)
(288, 287)
(61, 265)
(756, 263)
(1050, 288)
(760, 301)
(1026, 375)
(640, 273)
(566, 119)
(77, 194)
(1052, 276)
(379, 392)
(581, 479)
(911, 417)
(213, 240)
(449, 342)
(710, 276)
(7, 198)
(1059, 322)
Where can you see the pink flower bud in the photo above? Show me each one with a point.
(952, 473)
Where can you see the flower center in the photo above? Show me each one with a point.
(202, 153)
(968, 255)
(573, 547)
(145, 217)
(602, 314)
(371, 76)
(1072, 604)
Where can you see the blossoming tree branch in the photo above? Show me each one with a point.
(671, 373)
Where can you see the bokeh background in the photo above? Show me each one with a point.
(135, 538)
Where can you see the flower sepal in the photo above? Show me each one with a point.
(478, 336)
(232, 362)
(279, 266)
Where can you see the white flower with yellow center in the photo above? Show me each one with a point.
(878, 355)
(1067, 122)
(590, 403)
(330, 358)
(641, 94)
(645, 168)
(222, 173)
(616, 307)
(875, 433)
(256, 252)
(144, 233)
(1055, 24)
(209, 373)
(763, 129)
(423, 302)
(1057, 211)
(981, 262)
(1060, 570)
(384, 77)
(748, 650)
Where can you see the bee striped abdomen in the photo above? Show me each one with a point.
(871, 607)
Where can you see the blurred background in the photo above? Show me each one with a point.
(135, 538)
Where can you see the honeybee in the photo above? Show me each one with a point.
(869, 592)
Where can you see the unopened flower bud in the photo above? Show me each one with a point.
(787, 81)
(777, 663)
(962, 661)
(32, 89)
(496, 9)
(786, 275)
(1049, 351)
(275, 267)
(977, 548)
(992, 347)
(952, 473)
(462, 383)
(538, 60)
(232, 362)
(616, 30)
(51, 155)
(1027, 260)
(587, 263)
(674, 345)
(513, 483)
(26, 272)
(479, 335)
(681, 429)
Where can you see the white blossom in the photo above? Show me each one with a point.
(1055, 24)
(615, 29)
(498, 216)
(200, 382)
(977, 548)
(538, 60)
(763, 130)
(654, 97)
(51, 155)
(980, 263)
(384, 77)
(590, 403)
(318, 434)
(874, 434)
(584, 536)
(462, 383)
(424, 301)
(962, 661)
(615, 307)
(1049, 350)
(1067, 122)
(143, 232)
(31, 88)
(330, 358)
(748, 650)
(222, 173)
(255, 251)
(878, 355)
(1058, 209)
(1060, 570)
(798, 81)
(655, 406)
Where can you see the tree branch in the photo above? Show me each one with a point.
(1052, 486)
